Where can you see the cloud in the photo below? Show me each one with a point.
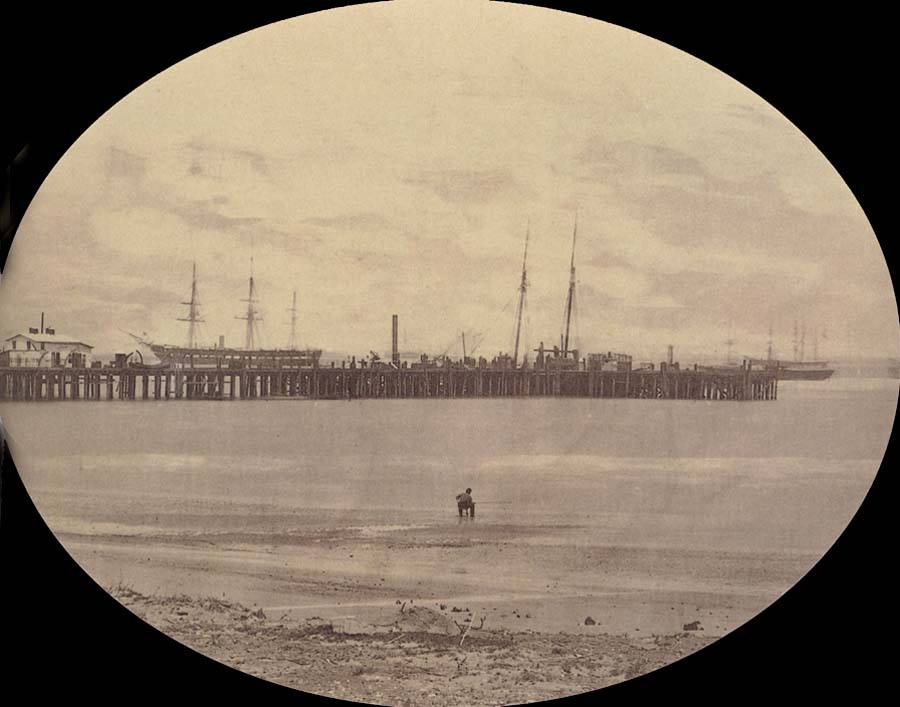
(467, 185)
(151, 295)
(751, 114)
(636, 160)
(202, 214)
(218, 159)
(353, 222)
(121, 164)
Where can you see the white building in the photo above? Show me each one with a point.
(45, 350)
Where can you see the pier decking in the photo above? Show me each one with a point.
(385, 382)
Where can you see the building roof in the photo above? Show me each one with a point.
(50, 339)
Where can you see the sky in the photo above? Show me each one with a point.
(390, 158)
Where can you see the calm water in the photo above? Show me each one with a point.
(784, 476)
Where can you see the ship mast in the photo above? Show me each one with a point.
(193, 317)
(769, 354)
(796, 341)
(729, 343)
(570, 299)
(292, 342)
(252, 316)
(802, 338)
(520, 308)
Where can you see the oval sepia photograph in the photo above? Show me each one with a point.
(441, 353)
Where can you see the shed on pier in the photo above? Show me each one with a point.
(45, 350)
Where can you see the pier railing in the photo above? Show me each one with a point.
(745, 383)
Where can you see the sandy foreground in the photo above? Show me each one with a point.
(411, 655)
(469, 613)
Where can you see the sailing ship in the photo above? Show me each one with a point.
(563, 357)
(193, 355)
(799, 368)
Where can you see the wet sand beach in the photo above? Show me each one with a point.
(483, 570)
(329, 610)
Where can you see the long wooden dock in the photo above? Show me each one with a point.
(385, 382)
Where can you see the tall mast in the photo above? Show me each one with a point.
(570, 299)
(769, 355)
(796, 341)
(802, 338)
(520, 308)
(252, 316)
(292, 342)
(193, 317)
(815, 343)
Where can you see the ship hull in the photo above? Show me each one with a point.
(798, 370)
(236, 358)
(805, 374)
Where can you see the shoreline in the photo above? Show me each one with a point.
(542, 587)
(409, 655)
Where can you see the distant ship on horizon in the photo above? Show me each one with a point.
(799, 368)
(796, 369)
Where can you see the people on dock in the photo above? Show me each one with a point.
(465, 503)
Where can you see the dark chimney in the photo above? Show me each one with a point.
(395, 351)
(42, 322)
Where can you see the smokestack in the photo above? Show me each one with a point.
(671, 354)
(395, 352)
(221, 341)
(42, 322)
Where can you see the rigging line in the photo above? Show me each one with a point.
(570, 296)
(477, 340)
(492, 326)
(453, 342)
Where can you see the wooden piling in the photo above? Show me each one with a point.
(669, 382)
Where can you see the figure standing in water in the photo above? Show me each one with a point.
(465, 503)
